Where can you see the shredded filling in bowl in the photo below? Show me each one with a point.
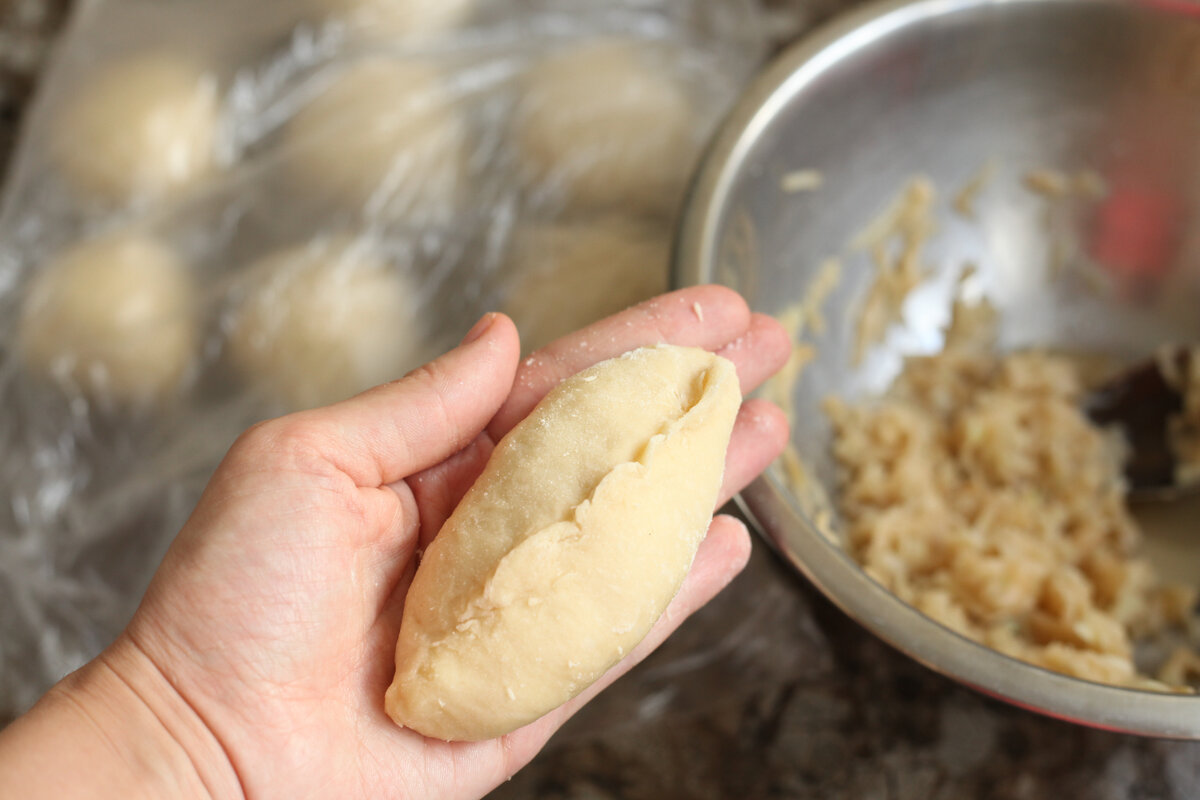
(978, 491)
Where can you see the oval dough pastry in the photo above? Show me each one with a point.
(568, 547)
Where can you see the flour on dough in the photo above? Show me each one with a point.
(569, 546)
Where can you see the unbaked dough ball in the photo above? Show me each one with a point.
(403, 20)
(115, 317)
(142, 127)
(321, 322)
(566, 276)
(606, 126)
(383, 137)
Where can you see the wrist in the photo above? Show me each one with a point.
(115, 728)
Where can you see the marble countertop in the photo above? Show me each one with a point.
(771, 692)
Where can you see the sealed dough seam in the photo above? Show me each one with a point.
(488, 600)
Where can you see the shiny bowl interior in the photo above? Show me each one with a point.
(942, 88)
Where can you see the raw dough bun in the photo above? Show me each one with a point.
(115, 317)
(383, 136)
(606, 126)
(568, 547)
(321, 322)
(142, 128)
(405, 20)
(569, 276)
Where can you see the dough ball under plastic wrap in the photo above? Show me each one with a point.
(141, 128)
(116, 317)
(604, 125)
(383, 136)
(568, 275)
(320, 322)
(402, 20)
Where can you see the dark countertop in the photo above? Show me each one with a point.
(770, 692)
(26, 31)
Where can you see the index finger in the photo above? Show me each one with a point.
(700, 316)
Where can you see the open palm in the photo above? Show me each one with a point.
(275, 613)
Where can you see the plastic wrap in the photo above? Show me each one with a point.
(221, 211)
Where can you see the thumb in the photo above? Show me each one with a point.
(392, 431)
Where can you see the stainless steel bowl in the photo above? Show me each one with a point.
(940, 88)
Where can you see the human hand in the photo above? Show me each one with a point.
(265, 643)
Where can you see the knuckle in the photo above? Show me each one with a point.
(428, 375)
(283, 441)
(431, 381)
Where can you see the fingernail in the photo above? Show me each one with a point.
(480, 328)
